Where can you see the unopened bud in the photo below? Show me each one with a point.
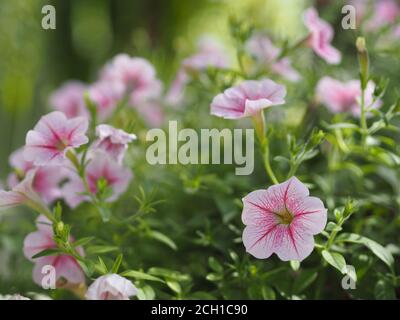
(363, 60)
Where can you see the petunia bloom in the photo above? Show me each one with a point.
(111, 287)
(69, 99)
(386, 12)
(21, 194)
(320, 37)
(106, 96)
(66, 267)
(345, 96)
(100, 168)
(210, 53)
(46, 181)
(53, 136)
(282, 220)
(248, 99)
(137, 77)
(261, 48)
(113, 141)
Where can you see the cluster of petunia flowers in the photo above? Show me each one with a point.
(281, 219)
(62, 159)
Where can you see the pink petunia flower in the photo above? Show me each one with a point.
(66, 267)
(69, 99)
(210, 53)
(100, 167)
(46, 180)
(385, 12)
(53, 136)
(261, 48)
(106, 95)
(248, 99)
(345, 96)
(111, 287)
(21, 194)
(136, 75)
(113, 141)
(282, 220)
(320, 38)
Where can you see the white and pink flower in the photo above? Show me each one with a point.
(53, 136)
(105, 95)
(320, 37)
(21, 194)
(100, 167)
(340, 96)
(137, 77)
(111, 287)
(113, 141)
(66, 267)
(46, 181)
(266, 54)
(282, 219)
(248, 98)
(69, 99)
(210, 53)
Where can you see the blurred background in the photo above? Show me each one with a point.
(34, 61)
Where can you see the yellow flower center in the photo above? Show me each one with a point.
(285, 216)
(61, 144)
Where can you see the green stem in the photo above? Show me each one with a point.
(293, 170)
(267, 164)
(363, 118)
(259, 126)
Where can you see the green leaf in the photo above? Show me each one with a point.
(104, 212)
(381, 252)
(214, 277)
(101, 249)
(117, 264)
(335, 259)
(331, 226)
(83, 241)
(174, 286)
(48, 252)
(268, 293)
(140, 276)
(215, 265)
(101, 266)
(146, 293)
(384, 290)
(87, 267)
(168, 274)
(164, 239)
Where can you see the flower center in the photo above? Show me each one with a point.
(285, 216)
(61, 144)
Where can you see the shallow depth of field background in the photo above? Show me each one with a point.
(33, 61)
